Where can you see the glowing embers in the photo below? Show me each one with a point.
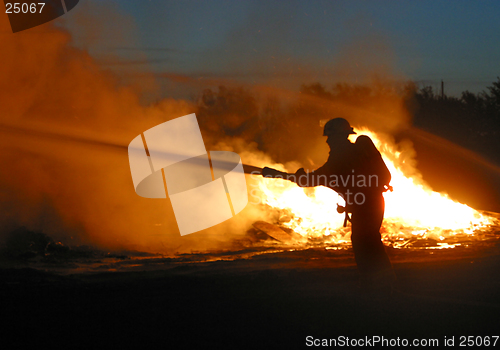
(415, 215)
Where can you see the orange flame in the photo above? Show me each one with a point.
(413, 210)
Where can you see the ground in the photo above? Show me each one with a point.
(272, 300)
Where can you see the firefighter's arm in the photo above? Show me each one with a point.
(273, 173)
(314, 178)
(300, 177)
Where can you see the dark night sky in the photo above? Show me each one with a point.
(286, 43)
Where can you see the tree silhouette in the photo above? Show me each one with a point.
(282, 127)
(472, 121)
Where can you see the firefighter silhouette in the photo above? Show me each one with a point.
(356, 172)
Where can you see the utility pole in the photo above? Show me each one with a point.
(442, 89)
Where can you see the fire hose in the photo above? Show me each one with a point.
(273, 173)
(265, 172)
(277, 174)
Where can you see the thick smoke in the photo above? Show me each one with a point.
(65, 127)
(66, 123)
(287, 125)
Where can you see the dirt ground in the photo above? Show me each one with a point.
(268, 301)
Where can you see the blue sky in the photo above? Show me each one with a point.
(286, 43)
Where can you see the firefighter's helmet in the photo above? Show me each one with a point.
(337, 126)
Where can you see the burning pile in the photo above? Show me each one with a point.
(414, 213)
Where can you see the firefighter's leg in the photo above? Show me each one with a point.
(369, 250)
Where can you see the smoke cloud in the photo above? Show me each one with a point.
(66, 121)
(65, 125)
